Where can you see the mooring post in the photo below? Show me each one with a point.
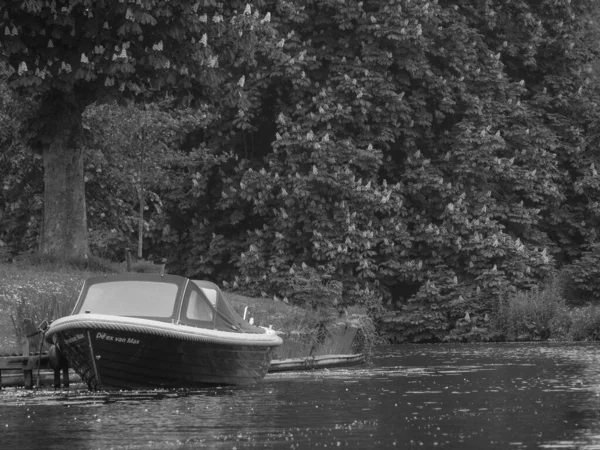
(56, 378)
(27, 373)
(65, 371)
(28, 379)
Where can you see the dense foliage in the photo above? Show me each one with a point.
(66, 55)
(420, 158)
(20, 177)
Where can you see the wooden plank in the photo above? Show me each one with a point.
(12, 379)
(23, 362)
(26, 366)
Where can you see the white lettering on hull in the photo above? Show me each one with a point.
(119, 339)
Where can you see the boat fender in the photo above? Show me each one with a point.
(56, 358)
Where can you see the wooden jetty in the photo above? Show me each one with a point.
(26, 365)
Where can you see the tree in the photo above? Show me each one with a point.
(20, 175)
(67, 55)
(132, 149)
(418, 151)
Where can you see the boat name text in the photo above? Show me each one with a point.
(77, 337)
(122, 340)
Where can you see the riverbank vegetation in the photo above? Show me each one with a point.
(428, 162)
(537, 314)
(38, 290)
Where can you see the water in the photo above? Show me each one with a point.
(496, 396)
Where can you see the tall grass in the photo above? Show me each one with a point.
(32, 293)
(28, 315)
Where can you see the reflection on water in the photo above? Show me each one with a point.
(517, 396)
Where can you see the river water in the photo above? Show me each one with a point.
(488, 396)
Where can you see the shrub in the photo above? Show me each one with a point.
(561, 324)
(585, 324)
(533, 314)
(584, 274)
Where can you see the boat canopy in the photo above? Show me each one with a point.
(166, 298)
(133, 296)
(226, 318)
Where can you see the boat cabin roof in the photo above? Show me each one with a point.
(166, 298)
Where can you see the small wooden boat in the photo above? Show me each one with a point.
(151, 331)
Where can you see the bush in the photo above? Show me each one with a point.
(531, 315)
(584, 274)
(585, 324)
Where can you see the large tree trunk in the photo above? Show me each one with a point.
(64, 233)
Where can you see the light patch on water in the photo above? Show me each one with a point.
(86, 398)
(424, 392)
(511, 364)
(356, 374)
(567, 444)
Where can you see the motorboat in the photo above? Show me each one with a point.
(138, 330)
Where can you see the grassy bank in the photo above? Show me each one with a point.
(31, 292)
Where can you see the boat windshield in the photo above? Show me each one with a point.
(131, 298)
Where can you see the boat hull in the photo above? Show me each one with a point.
(129, 359)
